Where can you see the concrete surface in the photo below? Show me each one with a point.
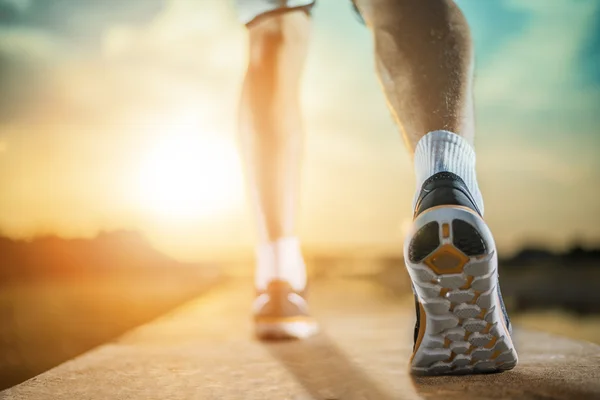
(205, 350)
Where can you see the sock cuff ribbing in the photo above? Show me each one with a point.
(444, 151)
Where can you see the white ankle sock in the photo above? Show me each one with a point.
(280, 259)
(440, 151)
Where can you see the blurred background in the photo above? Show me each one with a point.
(121, 191)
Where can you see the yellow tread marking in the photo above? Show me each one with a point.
(468, 284)
(474, 299)
(491, 343)
(487, 328)
(482, 313)
(446, 231)
(447, 343)
(452, 355)
(447, 251)
(495, 354)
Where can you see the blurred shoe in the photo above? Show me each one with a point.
(282, 313)
(462, 326)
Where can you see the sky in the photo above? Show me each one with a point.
(121, 115)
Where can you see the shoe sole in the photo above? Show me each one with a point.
(451, 258)
(286, 328)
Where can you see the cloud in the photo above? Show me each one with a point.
(187, 51)
(535, 79)
(30, 44)
(536, 120)
(537, 126)
(78, 20)
(19, 5)
(97, 102)
(74, 116)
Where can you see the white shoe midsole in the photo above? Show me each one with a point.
(292, 329)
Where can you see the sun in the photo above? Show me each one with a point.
(187, 175)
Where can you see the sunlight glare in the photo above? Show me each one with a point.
(189, 175)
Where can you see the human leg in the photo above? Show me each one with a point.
(424, 59)
(271, 134)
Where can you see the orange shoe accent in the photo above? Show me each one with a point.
(487, 328)
(445, 231)
(474, 299)
(447, 260)
(468, 284)
(495, 354)
(422, 326)
(491, 343)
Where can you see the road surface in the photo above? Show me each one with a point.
(205, 350)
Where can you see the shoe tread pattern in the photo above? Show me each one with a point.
(464, 333)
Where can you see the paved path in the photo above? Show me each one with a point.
(204, 350)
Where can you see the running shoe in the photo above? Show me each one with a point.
(280, 312)
(462, 326)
